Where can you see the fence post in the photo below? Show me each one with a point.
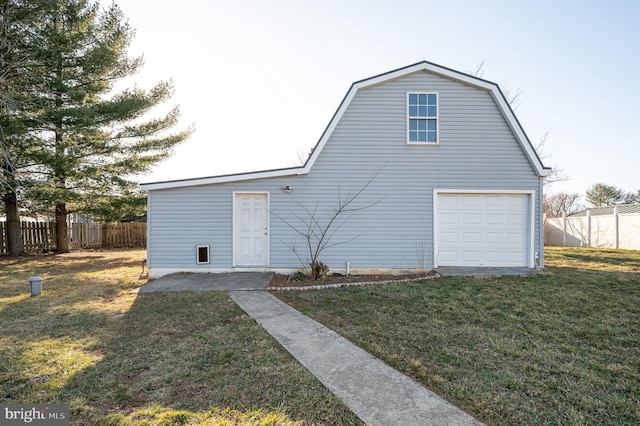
(588, 228)
(564, 229)
(615, 217)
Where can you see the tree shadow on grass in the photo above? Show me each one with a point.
(195, 352)
(40, 348)
(52, 265)
(76, 280)
(596, 258)
(617, 261)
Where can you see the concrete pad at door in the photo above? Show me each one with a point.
(208, 282)
(477, 271)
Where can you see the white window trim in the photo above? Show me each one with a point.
(437, 118)
(198, 247)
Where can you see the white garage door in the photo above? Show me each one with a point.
(483, 230)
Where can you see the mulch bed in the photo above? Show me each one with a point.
(280, 280)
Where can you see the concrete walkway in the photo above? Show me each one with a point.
(377, 393)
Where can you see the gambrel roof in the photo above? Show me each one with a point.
(467, 79)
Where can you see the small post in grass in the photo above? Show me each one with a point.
(36, 285)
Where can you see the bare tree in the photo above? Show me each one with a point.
(319, 234)
(557, 174)
(511, 95)
(301, 158)
(513, 98)
(560, 204)
(479, 71)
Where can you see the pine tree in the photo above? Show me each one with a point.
(15, 142)
(93, 142)
(632, 197)
(601, 194)
(8, 65)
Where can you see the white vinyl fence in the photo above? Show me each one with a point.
(614, 230)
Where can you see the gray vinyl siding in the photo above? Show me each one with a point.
(477, 151)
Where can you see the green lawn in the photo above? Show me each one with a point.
(149, 359)
(562, 347)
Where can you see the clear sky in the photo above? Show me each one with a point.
(261, 79)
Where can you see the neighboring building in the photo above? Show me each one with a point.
(71, 218)
(3, 218)
(447, 174)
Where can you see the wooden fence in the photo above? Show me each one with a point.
(129, 234)
(39, 237)
(84, 235)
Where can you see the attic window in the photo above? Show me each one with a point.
(422, 118)
(202, 254)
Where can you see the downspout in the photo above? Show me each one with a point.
(540, 252)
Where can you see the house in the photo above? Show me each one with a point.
(444, 176)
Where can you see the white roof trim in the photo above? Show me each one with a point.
(421, 66)
(222, 179)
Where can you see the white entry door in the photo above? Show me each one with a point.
(251, 230)
(483, 229)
